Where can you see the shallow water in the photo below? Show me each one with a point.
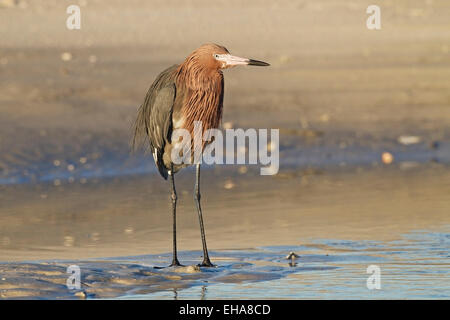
(414, 267)
(45, 162)
(131, 215)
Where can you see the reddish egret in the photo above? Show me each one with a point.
(180, 95)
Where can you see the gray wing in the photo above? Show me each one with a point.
(154, 120)
(160, 126)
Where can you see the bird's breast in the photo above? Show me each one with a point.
(178, 122)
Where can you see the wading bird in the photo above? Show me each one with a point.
(180, 95)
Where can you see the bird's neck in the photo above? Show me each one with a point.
(198, 78)
(203, 99)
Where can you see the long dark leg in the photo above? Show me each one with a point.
(175, 261)
(206, 262)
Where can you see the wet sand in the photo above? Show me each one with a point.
(341, 95)
(131, 215)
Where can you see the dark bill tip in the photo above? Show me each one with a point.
(252, 62)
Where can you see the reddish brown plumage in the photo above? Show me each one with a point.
(201, 76)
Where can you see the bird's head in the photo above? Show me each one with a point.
(216, 57)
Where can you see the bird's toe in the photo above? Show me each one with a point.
(176, 263)
(207, 264)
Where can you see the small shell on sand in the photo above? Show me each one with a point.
(408, 140)
(387, 158)
(292, 255)
(229, 185)
(66, 56)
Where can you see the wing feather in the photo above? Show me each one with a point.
(154, 119)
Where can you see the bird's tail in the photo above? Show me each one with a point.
(140, 130)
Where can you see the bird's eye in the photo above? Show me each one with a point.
(216, 56)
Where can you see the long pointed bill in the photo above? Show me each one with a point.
(252, 62)
(231, 61)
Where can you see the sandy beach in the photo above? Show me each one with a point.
(341, 95)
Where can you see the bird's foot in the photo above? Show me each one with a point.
(206, 263)
(176, 263)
